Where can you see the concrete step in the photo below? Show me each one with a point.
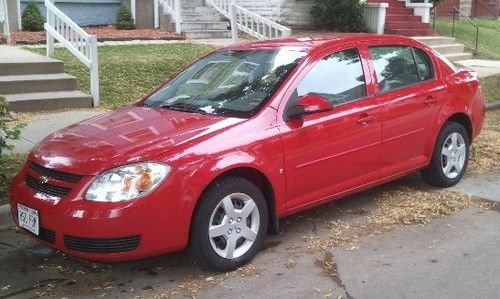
(23, 67)
(193, 26)
(17, 84)
(449, 49)
(47, 101)
(207, 34)
(200, 18)
(458, 56)
(435, 40)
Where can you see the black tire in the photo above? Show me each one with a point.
(434, 174)
(200, 243)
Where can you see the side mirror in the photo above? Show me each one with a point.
(308, 104)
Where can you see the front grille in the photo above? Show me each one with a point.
(49, 189)
(47, 235)
(61, 176)
(102, 245)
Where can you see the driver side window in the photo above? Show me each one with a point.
(338, 77)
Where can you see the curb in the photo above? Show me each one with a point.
(5, 216)
(495, 105)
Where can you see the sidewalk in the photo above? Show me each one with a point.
(484, 68)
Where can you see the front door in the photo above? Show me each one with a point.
(331, 152)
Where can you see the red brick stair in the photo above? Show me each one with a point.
(401, 20)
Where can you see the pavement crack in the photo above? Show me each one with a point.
(37, 285)
(329, 267)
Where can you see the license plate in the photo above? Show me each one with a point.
(28, 219)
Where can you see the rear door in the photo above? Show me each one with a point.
(411, 98)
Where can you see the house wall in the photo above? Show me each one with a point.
(287, 12)
(85, 12)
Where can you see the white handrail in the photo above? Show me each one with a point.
(171, 7)
(4, 19)
(81, 44)
(248, 22)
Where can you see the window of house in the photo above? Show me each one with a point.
(338, 77)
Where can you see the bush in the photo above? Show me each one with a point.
(338, 15)
(124, 20)
(32, 19)
(6, 133)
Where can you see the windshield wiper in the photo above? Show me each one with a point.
(184, 108)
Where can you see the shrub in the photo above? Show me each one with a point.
(32, 19)
(338, 15)
(124, 20)
(6, 132)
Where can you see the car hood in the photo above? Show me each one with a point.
(121, 137)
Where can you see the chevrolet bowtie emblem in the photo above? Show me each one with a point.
(43, 180)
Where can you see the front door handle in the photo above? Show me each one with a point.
(365, 119)
(430, 101)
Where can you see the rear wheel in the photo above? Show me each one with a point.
(229, 224)
(450, 158)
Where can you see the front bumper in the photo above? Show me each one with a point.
(102, 231)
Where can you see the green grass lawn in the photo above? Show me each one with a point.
(10, 165)
(489, 35)
(491, 87)
(127, 73)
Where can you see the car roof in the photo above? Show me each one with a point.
(318, 41)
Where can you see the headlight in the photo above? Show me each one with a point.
(127, 182)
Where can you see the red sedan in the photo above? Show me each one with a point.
(248, 134)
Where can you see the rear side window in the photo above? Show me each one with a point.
(395, 67)
(338, 77)
(424, 65)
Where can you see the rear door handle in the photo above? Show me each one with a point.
(430, 101)
(365, 119)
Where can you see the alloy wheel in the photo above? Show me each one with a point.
(453, 155)
(234, 225)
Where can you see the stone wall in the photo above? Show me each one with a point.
(295, 13)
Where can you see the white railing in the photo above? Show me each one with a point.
(248, 22)
(4, 19)
(169, 7)
(76, 40)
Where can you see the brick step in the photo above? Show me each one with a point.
(46, 101)
(206, 34)
(28, 67)
(400, 18)
(406, 25)
(399, 11)
(16, 84)
(411, 32)
(192, 26)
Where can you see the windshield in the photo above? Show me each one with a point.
(233, 83)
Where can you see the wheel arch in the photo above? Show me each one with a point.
(464, 120)
(258, 178)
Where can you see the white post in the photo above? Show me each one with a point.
(94, 71)
(133, 10)
(6, 25)
(50, 39)
(234, 24)
(156, 14)
(177, 5)
(18, 8)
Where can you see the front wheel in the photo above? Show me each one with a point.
(450, 157)
(229, 224)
